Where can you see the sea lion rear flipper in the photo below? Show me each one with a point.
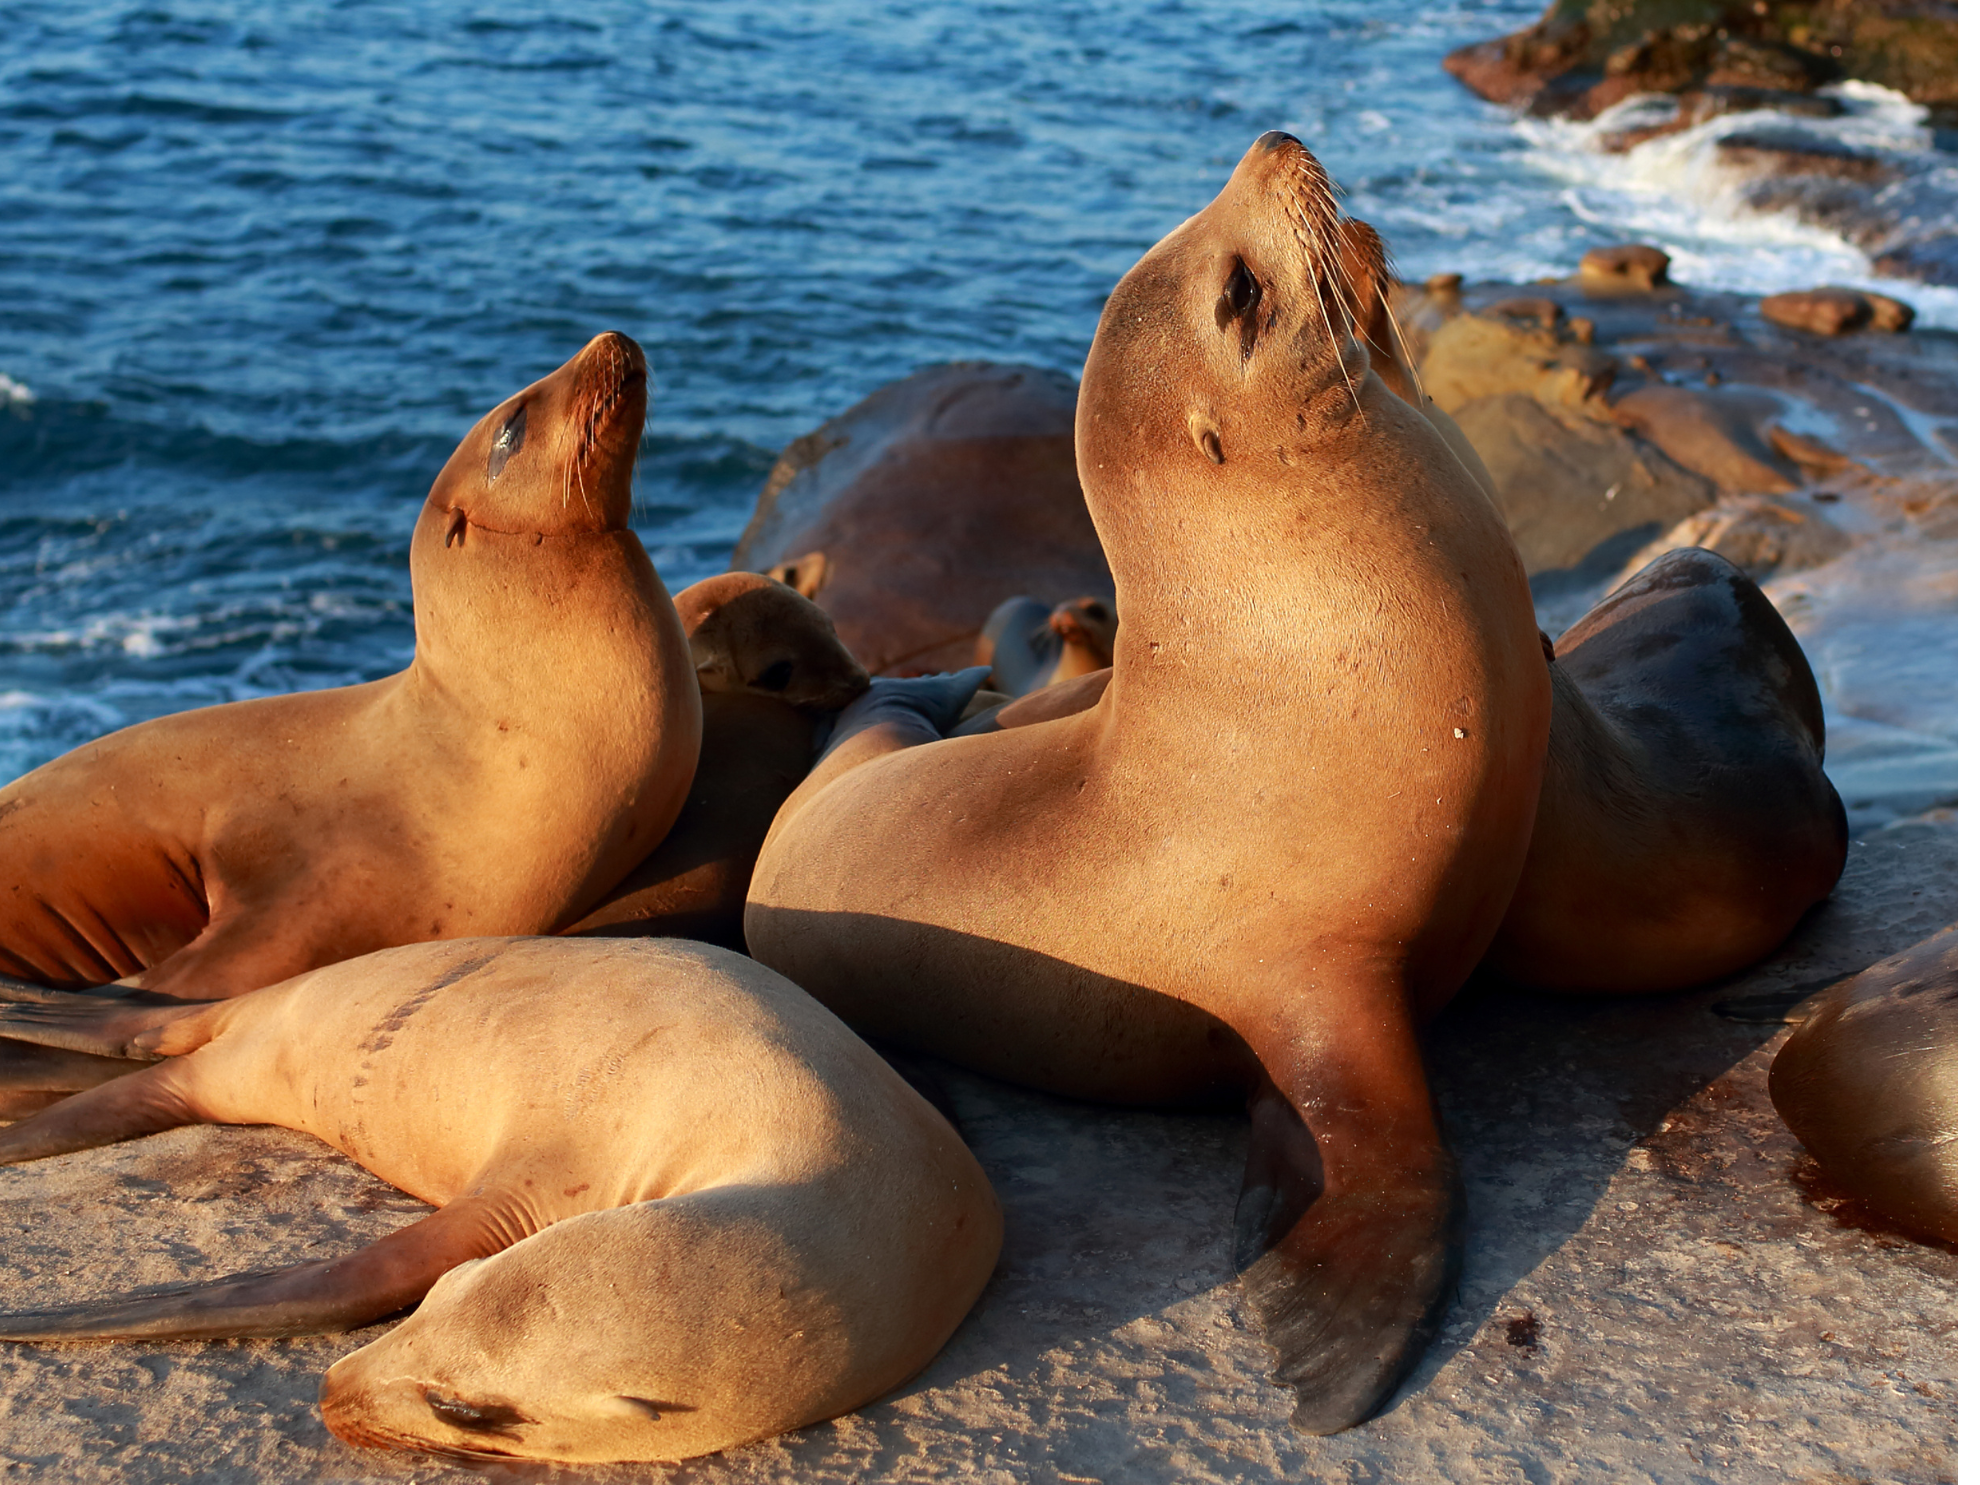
(1349, 1256)
(33, 1077)
(392, 1274)
(103, 1028)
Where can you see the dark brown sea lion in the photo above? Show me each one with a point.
(911, 516)
(1869, 1082)
(1028, 646)
(681, 1205)
(770, 667)
(539, 745)
(1686, 824)
(1242, 873)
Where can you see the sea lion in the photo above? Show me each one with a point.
(1029, 646)
(1869, 1082)
(910, 516)
(769, 666)
(538, 746)
(749, 632)
(1211, 885)
(681, 1205)
(1686, 824)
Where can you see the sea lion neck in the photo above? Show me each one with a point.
(554, 460)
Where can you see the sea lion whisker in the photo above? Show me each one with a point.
(1326, 319)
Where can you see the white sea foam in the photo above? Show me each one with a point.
(1674, 191)
(13, 393)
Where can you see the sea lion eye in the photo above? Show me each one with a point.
(474, 1417)
(1240, 295)
(1239, 302)
(508, 440)
(774, 677)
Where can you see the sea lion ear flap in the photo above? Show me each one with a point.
(1203, 433)
(807, 574)
(1372, 293)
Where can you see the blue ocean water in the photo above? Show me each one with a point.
(262, 264)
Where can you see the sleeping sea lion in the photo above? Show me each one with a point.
(1029, 646)
(538, 746)
(1227, 878)
(1869, 1082)
(681, 1205)
(770, 666)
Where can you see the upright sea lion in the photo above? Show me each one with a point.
(909, 517)
(1226, 878)
(538, 746)
(1029, 646)
(770, 666)
(1869, 1082)
(681, 1206)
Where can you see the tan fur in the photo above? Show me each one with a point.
(1869, 1082)
(1224, 877)
(682, 1207)
(538, 746)
(749, 632)
(757, 744)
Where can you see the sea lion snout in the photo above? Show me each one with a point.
(556, 459)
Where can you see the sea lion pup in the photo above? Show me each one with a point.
(1228, 877)
(1869, 1082)
(770, 666)
(681, 1205)
(1686, 824)
(1029, 646)
(538, 746)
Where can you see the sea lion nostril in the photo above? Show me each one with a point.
(1272, 139)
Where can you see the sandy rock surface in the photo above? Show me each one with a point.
(1655, 1289)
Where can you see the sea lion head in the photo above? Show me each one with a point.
(556, 459)
(749, 632)
(606, 1336)
(1237, 342)
(1090, 623)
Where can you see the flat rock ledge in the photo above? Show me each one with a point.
(1658, 1287)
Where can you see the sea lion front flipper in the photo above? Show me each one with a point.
(392, 1274)
(1349, 1233)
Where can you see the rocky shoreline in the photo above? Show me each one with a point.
(1762, 91)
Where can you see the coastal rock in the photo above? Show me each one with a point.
(1634, 267)
(1576, 492)
(913, 515)
(1833, 311)
(1575, 487)
(1584, 56)
(1714, 434)
(1765, 538)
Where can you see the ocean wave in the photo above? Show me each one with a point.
(1697, 192)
